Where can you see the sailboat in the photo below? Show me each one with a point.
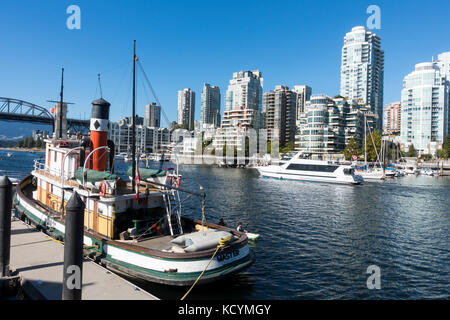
(365, 172)
(132, 227)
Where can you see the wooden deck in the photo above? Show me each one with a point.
(40, 260)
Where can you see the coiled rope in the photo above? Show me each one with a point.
(222, 243)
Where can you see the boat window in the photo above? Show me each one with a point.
(348, 171)
(312, 167)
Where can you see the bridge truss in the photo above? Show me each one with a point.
(19, 110)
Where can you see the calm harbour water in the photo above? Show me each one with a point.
(317, 240)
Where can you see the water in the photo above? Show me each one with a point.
(317, 240)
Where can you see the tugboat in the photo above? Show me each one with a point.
(132, 227)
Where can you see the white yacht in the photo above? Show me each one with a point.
(298, 168)
(411, 170)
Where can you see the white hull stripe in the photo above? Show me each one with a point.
(141, 260)
(306, 177)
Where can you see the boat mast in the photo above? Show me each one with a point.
(365, 142)
(133, 145)
(61, 105)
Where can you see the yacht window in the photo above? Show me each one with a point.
(312, 167)
(348, 171)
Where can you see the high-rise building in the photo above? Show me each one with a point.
(279, 111)
(243, 102)
(152, 117)
(303, 95)
(210, 114)
(186, 108)
(443, 62)
(392, 118)
(244, 91)
(362, 70)
(148, 139)
(327, 125)
(425, 107)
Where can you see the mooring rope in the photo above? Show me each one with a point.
(222, 243)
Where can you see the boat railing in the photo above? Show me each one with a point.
(40, 165)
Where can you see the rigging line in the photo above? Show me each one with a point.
(126, 105)
(115, 68)
(167, 120)
(153, 92)
(373, 142)
(95, 94)
(126, 72)
(90, 74)
(145, 91)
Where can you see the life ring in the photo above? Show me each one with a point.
(102, 189)
(174, 179)
(178, 181)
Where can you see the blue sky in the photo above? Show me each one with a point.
(187, 43)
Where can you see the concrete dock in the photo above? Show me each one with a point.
(39, 261)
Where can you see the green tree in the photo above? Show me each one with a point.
(412, 152)
(371, 150)
(426, 157)
(352, 149)
(29, 142)
(288, 147)
(446, 145)
(441, 154)
(40, 143)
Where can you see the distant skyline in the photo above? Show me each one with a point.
(185, 44)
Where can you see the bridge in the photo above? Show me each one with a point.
(19, 110)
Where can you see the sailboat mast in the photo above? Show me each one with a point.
(133, 145)
(61, 105)
(365, 142)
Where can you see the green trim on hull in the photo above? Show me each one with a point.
(169, 278)
(178, 279)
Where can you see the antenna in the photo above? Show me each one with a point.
(133, 119)
(100, 85)
(61, 102)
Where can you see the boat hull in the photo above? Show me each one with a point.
(149, 265)
(305, 177)
(372, 175)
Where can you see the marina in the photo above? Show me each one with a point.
(328, 234)
(133, 226)
(193, 154)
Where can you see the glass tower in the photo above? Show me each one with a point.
(424, 103)
(210, 105)
(362, 70)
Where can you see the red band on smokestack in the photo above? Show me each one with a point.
(99, 133)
